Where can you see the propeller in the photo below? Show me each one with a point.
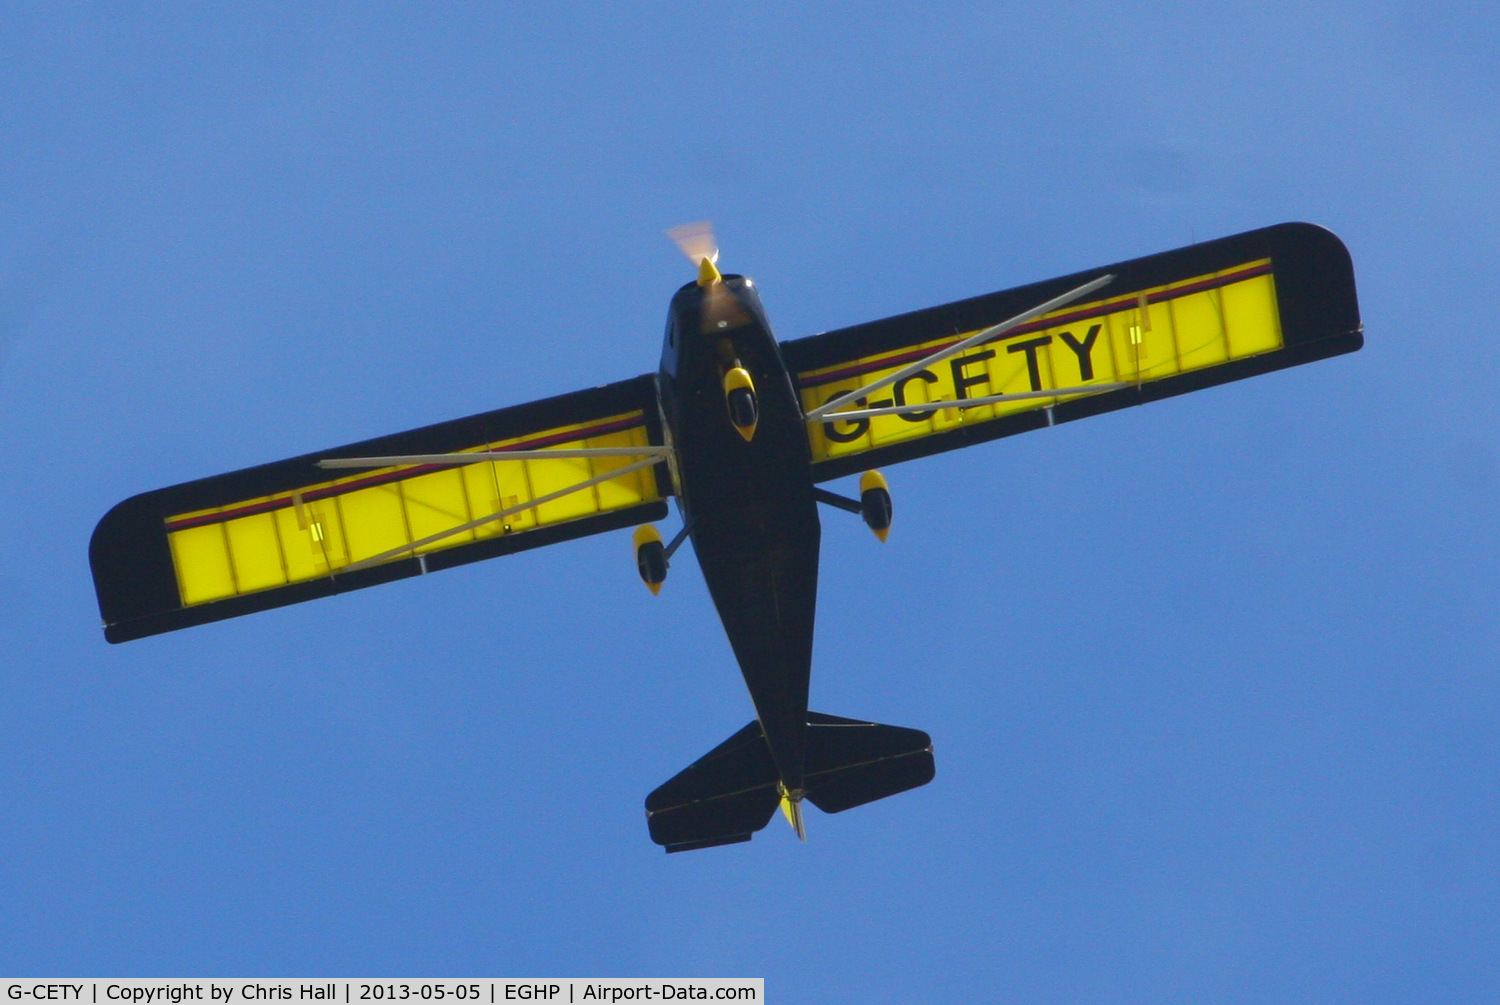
(721, 311)
(696, 241)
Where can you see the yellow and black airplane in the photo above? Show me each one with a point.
(741, 430)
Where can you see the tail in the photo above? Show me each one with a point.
(733, 791)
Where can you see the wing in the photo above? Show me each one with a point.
(290, 531)
(1164, 325)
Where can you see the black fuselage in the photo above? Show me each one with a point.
(749, 506)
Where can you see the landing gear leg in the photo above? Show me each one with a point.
(873, 504)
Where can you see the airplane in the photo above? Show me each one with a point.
(742, 431)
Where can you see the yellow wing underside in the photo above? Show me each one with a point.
(1191, 325)
(387, 514)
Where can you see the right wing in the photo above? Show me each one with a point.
(291, 531)
(1164, 325)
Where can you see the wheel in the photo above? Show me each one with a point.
(742, 410)
(875, 508)
(651, 560)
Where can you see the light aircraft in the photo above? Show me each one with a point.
(742, 430)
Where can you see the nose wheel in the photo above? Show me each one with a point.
(742, 410)
(739, 397)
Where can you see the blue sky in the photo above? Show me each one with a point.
(1212, 683)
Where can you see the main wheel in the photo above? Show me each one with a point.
(651, 560)
(875, 508)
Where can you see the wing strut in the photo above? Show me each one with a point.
(911, 408)
(680, 537)
(492, 455)
(983, 335)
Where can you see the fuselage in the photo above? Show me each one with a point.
(748, 505)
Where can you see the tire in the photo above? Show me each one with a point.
(651, 561)
(742, 407)
(875, 509)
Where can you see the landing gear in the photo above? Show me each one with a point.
(742, 411)
(875, 503)
(791, 808)
(739, 397)
(650, 557)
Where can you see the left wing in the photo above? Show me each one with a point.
(1140, 330)
(302, 528)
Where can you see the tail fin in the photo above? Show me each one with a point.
(733, 791)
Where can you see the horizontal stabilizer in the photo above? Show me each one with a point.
(850, 763)
(732, 791)
(721, 798)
